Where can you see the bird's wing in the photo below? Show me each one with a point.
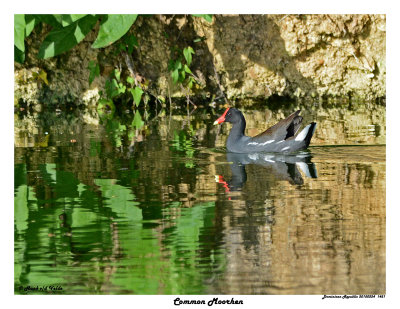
(284, 129)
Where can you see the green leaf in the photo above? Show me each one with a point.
(137, 95)
(59, 41)
(137, 121)
(187, 70)
(121, 47)
(131, 41)
(199, 39)
(19, 31)
(41, 75)
(50, 20)
(175, 75)
(174, 65)
(187, 52)
(113, 28)
(113, 88)
(108, 88)
(178, 64)
(67, 19)
(182, 75)
(19, 56)
(207, 17)
(114, 84)
(31, 22)
(58, 18)
(117, 74)
(121, 88)
(94, 70)
(129, 80)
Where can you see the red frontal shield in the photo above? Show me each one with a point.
(222, 118)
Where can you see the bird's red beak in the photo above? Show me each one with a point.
(222, 118)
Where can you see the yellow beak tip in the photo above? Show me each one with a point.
(216, 122)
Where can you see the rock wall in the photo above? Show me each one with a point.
(299, 55)
(243, 56)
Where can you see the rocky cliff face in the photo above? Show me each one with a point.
(245, 56)
(299, 55)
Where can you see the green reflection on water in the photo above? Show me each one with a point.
(74, 233)
(150, 269)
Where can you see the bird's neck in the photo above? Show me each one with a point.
(237, 130)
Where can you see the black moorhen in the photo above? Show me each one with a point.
(278, 138)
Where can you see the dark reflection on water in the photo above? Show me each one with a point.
(280, 166)
(120, 208)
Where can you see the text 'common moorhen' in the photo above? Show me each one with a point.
(278, 138)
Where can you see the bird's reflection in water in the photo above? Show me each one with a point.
(280, 166)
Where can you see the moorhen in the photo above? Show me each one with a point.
(278, 138)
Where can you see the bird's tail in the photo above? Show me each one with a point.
(307, 133)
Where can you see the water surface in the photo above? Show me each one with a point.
(126, 205)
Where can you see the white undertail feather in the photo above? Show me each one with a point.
(302, 135)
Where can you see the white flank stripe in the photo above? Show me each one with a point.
(261, 144)
(284, 148)
(268, 142)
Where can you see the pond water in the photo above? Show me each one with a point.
(124, 205)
